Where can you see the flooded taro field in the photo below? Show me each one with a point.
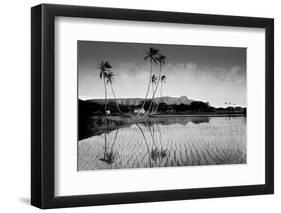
(179, 141)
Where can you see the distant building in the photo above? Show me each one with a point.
(139, 110)
(108, 112)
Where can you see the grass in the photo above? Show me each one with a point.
(157, 154)
(109, 157)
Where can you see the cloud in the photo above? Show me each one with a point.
(213, 84)
(192, 71)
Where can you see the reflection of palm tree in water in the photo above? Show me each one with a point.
(109, 156)
(146, 143)
(156, 152)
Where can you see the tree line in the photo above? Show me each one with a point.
(92, 108)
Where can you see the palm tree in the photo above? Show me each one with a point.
(109, 79)
(163, 80)
(110, 156)
(162, 61)
(151, 55)
(104, 69)
(153, 81)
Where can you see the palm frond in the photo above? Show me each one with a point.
(163, 78)
(104, 68)
(107, 65)
(154, 59)
(161, 59)
(109, 75)
(154, 78)
(152, 54)
(109, 80)
(147, 55)
(153, 51)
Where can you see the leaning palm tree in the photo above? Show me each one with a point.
(153, 81)
(109, 80)
(163, 80)
(162, 61)
(152, 56)
(104, 69)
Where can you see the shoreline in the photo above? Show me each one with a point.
(97, 125)
(200, 115)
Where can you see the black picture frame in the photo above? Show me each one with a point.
(43, 102)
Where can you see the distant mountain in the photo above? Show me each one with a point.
(175, 100)
(137, 101)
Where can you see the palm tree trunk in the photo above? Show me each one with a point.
(152, 87)
(115, 137)
(152, 99)
(151, 103)
(160, 99)
(105, 146)
(148, 87)
(105, 95)
(115, 98)
(160, 70)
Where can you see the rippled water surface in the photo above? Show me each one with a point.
(186, 141)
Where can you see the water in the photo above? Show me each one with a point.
(167, 142)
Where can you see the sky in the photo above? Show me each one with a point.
(204, 73)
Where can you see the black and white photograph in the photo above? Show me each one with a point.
(134, 105)
(160, 105)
